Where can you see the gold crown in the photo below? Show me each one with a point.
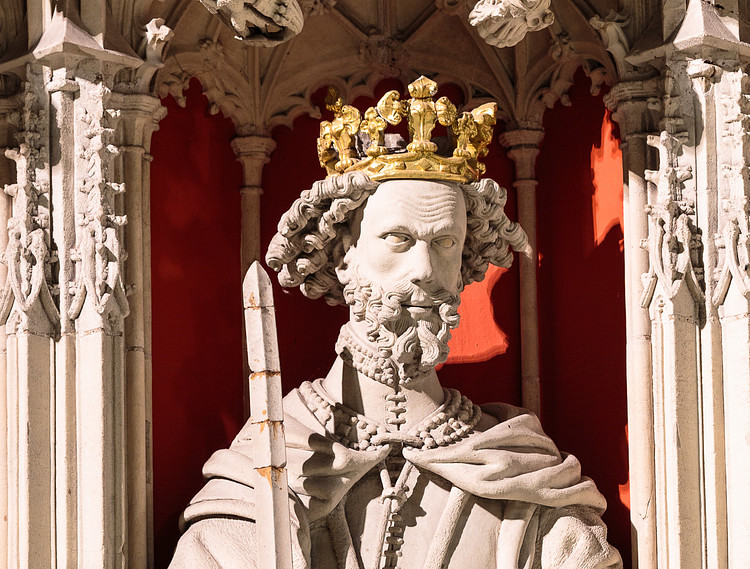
(471, 134)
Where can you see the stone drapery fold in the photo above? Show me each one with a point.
(511, 460)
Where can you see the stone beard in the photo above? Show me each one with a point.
(415, 339)
(401, 277)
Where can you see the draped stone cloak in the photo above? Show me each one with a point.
(528, 505)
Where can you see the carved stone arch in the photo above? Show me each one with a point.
(573, 42)
(287, 107)
(226, 89)
(554, 79)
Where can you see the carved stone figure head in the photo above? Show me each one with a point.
(397, 231)
(402, 271)
(398, 253)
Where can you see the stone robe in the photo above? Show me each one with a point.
(502, 497)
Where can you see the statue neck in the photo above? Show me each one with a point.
(358, 382)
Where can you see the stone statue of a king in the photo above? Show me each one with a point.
(387, 468)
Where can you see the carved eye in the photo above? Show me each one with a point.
(395, 238)
(444, 242)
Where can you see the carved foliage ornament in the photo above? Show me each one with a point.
(504, 23)
(98, 255)
(260, 22)
(735, 239)
(28, 254)
(383, 53)
(316, 7)
(735, 236)
(156, 36)
(674, 243)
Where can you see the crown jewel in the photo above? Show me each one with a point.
(471, 134)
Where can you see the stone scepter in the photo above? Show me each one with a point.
(267, 419)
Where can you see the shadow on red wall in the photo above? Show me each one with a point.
(197, 363)
(581, 297)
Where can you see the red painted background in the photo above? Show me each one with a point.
(197, 354)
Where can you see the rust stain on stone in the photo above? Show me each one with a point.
(268, 471)
(264, 373)
(251, 302)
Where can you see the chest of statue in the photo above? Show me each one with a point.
(421, 521)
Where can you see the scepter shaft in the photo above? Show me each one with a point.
(273, 528)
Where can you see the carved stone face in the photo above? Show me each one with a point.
(412, 230)
(402, 275)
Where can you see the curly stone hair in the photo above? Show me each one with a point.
(309, 243)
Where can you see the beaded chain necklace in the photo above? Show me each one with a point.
(452, 421)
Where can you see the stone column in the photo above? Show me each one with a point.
(523, 148)
(731, 297)
(31, 320)
(63, 307)
(9, 105)
(696, 292)
(708, 84)
(253, 152)
(673, 294)
(98, 307)
(139, 118)
(630, 102)
(63, 92)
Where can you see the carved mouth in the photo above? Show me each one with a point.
(417, 309)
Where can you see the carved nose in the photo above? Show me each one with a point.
(422, 269)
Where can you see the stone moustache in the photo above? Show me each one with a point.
(386, 468)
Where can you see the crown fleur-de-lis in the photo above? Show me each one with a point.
(373, 125)
(473, 133)
(424, 113)
(391, 109)
(338, 133)
(465, 129)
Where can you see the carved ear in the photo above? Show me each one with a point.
(342, 267)
(348, 235)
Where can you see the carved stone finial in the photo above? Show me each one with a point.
(155, 40)
(504, 23)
